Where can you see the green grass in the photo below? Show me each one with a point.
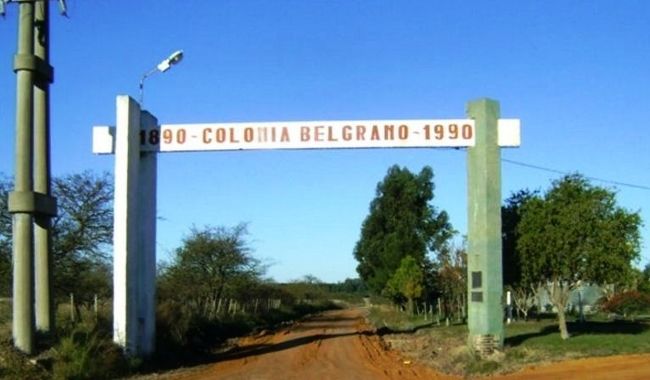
(526, 343)
(591, 338)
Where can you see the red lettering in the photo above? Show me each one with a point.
(403, 132)
(206, 135)
(347, 133)
(389, 132)
(375, 133)
(318, 133)
(330, 135)
(361, 133)
(233, 138)
(221, 135)
(304, 134)
(284, 137)
(248, 134)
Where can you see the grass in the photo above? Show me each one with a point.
(387, 318)
(526, 343)
(590, 338)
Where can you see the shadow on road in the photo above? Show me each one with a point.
(261, 349)
(387, 330)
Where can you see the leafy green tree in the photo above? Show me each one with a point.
(576, 234)
(643, 279)
(401, 222)
(210, 263)
(510, 217)
(408, 281)
(350, 286)
(523, 292)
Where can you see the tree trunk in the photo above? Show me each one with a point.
(559, 293)
(411, 306)
(561, 318)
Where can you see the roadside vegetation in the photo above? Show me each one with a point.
(555, 244)
(536, 341)
(558, 246)
(83, 349)
(212, 289)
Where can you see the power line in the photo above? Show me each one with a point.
(537, 167)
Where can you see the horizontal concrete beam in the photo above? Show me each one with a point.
(509, 136)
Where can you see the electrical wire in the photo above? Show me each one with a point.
(537, 167)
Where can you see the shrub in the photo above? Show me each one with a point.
(88, 353)
(628, 303)
(15, 365)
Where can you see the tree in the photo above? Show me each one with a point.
(510, 217)
(350, 286)
(307, 289)
(209, 263)
(407, 281)
(452, 280)
(576, 234)
(643, 279)
(522, 291)
(5, 238)
(401, 222)
(82, 233)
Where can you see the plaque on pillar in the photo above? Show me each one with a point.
(477, 278)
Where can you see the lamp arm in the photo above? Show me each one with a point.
(145, 76)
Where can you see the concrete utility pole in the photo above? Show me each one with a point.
(484, 267)
(42, 183)
(25, 204)
(21, 200)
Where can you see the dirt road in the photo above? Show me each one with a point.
(339, 345)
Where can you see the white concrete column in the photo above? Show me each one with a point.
(146, 225)
(125, 233)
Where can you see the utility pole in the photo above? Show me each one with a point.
(42, 182)
(30, 201)
(21, 200)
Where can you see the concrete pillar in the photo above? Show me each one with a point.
(134, 239)
(147, 243)
(485, 278)
(125, 239)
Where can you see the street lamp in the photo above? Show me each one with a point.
(163, 66)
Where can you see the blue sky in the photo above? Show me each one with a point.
(576, 73)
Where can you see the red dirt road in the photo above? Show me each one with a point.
(628, 367)
(339, 345)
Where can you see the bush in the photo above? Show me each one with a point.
(88, 352)
(15, 365)
(628, 303)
